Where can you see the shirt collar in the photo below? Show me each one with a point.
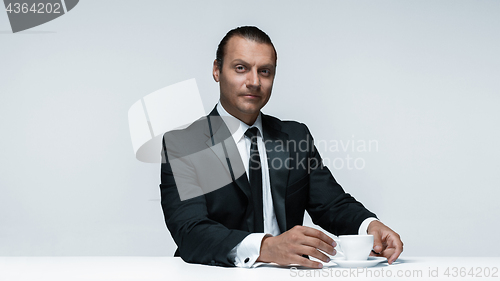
(240, 131)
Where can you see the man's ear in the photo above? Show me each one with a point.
(216, 71)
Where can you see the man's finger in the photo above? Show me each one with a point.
(318, 244)
(309, 231)
(397, 251)
(313, 252)
(306, 262)
(377, 243)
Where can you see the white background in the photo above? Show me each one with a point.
(421, 78)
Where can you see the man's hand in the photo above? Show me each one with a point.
(289, 247)
(386, 242)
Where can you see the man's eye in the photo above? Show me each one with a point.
(265, 72)
(240, 68)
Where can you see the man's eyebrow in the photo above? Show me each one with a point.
(239, 61)
(269, 65)
(236, 61)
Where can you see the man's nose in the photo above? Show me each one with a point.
(253, 79)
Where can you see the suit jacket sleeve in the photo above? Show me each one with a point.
(329, 206)
(199, 238)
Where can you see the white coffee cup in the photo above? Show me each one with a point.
(355, 247)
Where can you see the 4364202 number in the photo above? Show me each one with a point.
(36, 8)
(471, 272)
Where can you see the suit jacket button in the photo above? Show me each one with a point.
(247, 260)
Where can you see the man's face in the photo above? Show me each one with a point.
(246, 79)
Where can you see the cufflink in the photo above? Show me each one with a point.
(247, 260)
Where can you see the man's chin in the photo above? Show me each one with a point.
(251, 110)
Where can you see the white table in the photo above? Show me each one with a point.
(169, 268)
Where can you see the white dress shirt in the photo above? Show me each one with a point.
(248, 250)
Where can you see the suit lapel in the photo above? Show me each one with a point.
(222, 144)
(277, 154)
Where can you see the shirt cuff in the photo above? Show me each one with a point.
(247, 251)
(363, 228)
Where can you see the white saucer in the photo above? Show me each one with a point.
(371, 261)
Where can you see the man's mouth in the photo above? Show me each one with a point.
(251, 96)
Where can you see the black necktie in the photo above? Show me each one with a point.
(255, 179)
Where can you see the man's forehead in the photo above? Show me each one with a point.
(239, 48)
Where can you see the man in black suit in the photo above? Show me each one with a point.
(235, 184)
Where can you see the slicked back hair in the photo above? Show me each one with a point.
(248, 32)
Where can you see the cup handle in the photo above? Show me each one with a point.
(338, 248)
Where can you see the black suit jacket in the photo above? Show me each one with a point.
(201, 165)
